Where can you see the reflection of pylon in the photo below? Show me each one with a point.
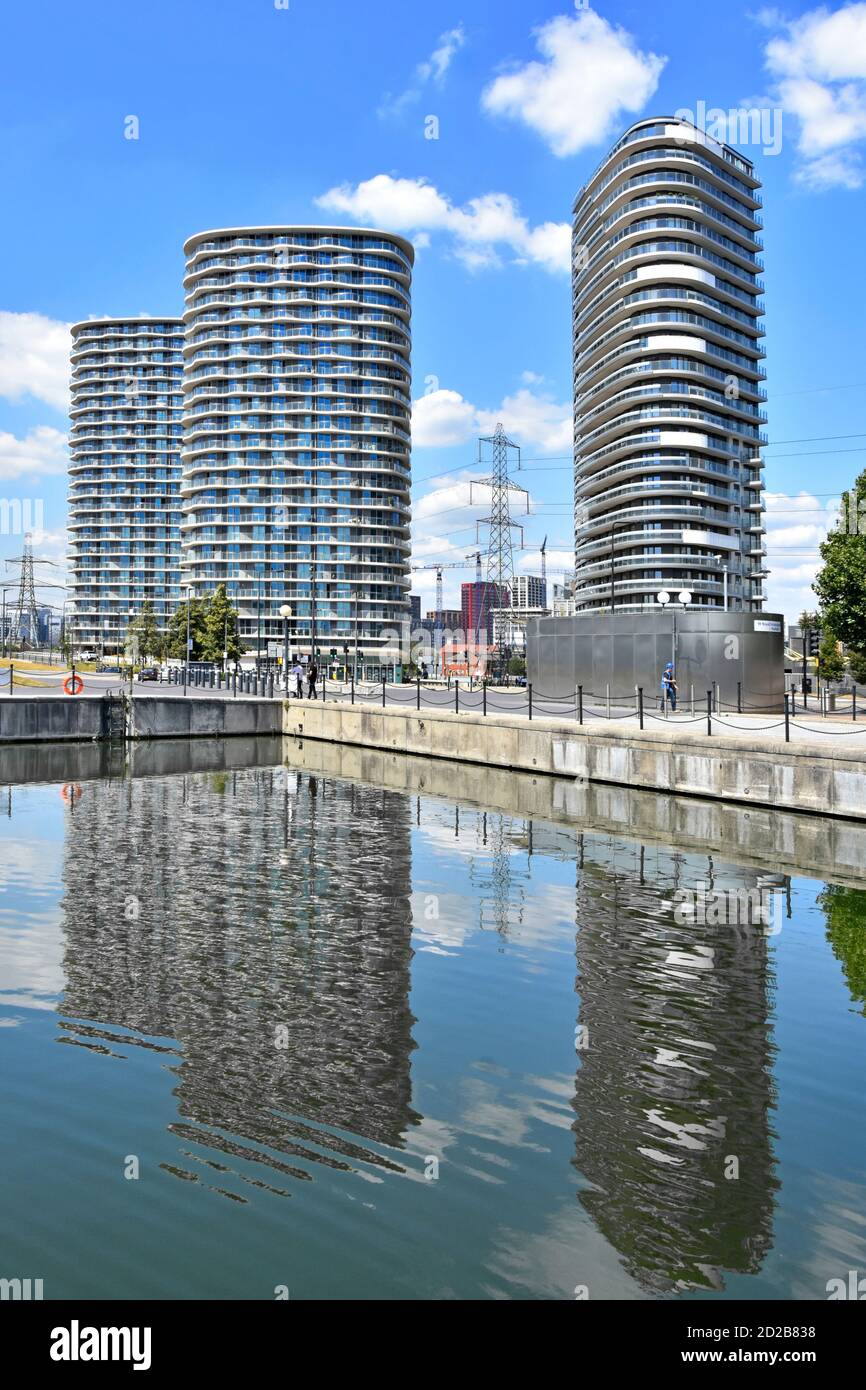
(497, 876)
(26, 613)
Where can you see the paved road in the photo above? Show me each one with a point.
(811, 726)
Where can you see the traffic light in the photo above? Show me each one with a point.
(333, 653)
(813, 644)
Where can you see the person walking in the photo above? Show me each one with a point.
(669, 687)
(298, 673)
(312, 677)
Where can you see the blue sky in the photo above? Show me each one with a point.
(320, 112)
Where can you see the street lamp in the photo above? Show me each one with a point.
(285, 614)
(188, 641)
(684, 598)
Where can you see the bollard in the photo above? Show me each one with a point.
(854, 703)
(580, 704)
(787, 721)
(417, 692)
(12, 677)
(383, 692)
(693, 701)
(709, 711)
(484, 696)
(529, 689)
(234, 683)
(271, 686)
(640, 705)
(456, 696)
(739, 697)
(353, 687)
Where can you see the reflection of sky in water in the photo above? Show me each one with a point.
(429, 964)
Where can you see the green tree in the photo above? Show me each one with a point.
(809, 621)
(845, 912)
(841, 581)
(221, 628)
(144, 638)
(175, 640)
(857, 665)
(831, 662)
(517, 666)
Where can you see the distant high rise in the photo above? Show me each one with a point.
(667, 374)
(478, 599)
(529, 591)
(124, 476)
(296, 432)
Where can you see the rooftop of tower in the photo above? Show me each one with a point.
(287, 228)
(701, 137)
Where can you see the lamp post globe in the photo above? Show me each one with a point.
(285, 614)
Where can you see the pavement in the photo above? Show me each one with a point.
(809, 726)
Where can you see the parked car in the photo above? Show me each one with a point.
(149, 673)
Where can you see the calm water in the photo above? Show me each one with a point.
(285, 997)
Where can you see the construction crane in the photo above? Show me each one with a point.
(447, 565)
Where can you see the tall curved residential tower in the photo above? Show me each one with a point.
(124, 476)
(667, 374)
(297, 433)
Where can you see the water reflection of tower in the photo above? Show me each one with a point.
(674, 1073)
(261, 919)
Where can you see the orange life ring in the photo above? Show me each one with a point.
(73, 685)
(71, 791)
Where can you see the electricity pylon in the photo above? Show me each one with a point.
(500, 551)
(25, 610)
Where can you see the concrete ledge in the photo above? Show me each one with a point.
(82, 719)
(195, 717)
(74, 718)
(816, 777)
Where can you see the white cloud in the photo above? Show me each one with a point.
(433, 69)
(444, 418)
(440, 59)
(838, 170)
(41, 453)
(796, 525)
(478, 229)
(34, 358)
(441, 419)
(533, 421)
(818, 62)
(591, 72)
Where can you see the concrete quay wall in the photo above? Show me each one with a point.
(84, 719)
(824, 779)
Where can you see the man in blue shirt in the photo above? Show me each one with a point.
(669, 686)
